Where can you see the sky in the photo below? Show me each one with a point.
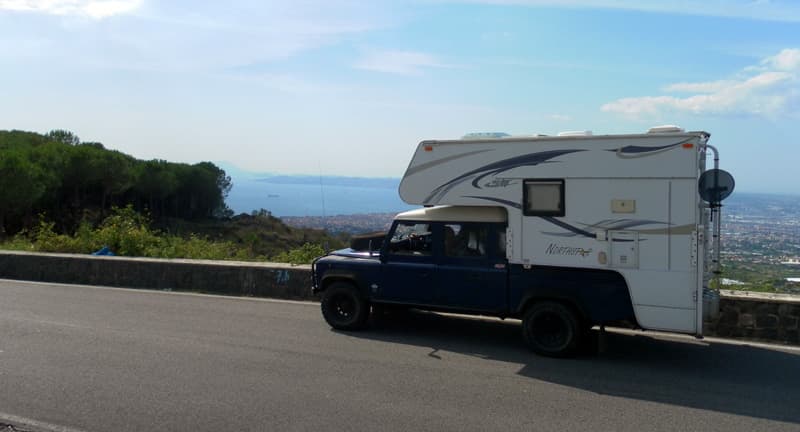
(341, 87)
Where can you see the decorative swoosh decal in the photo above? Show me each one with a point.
(619, 224)
(632, 151)
(422, 167)
(476, 175)
(497, 200)
(573, 230)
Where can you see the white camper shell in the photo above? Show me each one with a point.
(627, 203)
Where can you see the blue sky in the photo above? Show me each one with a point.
(344, 88)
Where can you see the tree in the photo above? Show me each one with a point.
(223, 186)
(21, 185)
(201, 191)
(115, 174)
(83, 169)
(156, 182)
(63, 136)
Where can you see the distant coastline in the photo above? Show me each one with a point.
(362, 182)
(311, 196)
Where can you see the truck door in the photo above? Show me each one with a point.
(408, 268)
(471, 273)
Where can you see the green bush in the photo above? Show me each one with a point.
(45, 239)
(302, 255)
(19, 242)
(128, 233)
(193, 248)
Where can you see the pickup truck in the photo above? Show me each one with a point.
(453, 259)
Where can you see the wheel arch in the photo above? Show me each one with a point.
(571, 303)
(597, 296)
(331, 278)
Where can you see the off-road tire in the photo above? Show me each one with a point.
(552, 329)
(343, 307)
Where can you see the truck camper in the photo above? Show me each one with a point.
(564, 232)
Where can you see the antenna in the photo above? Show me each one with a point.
(322, 195)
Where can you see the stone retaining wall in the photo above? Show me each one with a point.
(743, 315)
(757, 316)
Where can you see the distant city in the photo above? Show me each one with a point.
(761, 242)
(351, 224)
(762, 228)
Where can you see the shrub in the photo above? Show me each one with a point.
(45, 239)
(19, 242)
(302, 255)
(192, 248)
(128, 233)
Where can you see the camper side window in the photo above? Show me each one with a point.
(543, 197)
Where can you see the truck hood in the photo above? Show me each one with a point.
(352, 253)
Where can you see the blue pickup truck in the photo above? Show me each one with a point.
(453, 259)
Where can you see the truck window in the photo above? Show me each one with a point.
(410, 238)
(543, 197)
(465, 240)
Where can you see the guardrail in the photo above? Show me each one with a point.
(743, 315)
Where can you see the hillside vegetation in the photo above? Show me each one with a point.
(62, 195)
(70, 181)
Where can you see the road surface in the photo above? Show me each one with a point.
(78, 358)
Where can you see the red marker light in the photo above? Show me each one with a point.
(428, 148)
(687, 145)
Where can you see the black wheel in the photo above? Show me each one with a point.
(551, 329)
(343, 307)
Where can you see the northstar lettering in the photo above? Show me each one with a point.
(555, 249)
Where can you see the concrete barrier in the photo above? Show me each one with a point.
(218, 277)
(743, 315)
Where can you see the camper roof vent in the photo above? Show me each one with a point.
(665, 129)
(575, 133)
(485, 135)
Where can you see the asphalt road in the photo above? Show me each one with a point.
(103, 359)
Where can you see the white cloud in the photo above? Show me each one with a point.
(702, 87)
(771, 89)
(92, 8)
(399, 62)
(786, 60)
(771, 10)
(184, 35)
(560, 117)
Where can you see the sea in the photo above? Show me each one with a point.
(308, 196)
(303, 195)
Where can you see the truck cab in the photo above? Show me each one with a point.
(449, 258)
